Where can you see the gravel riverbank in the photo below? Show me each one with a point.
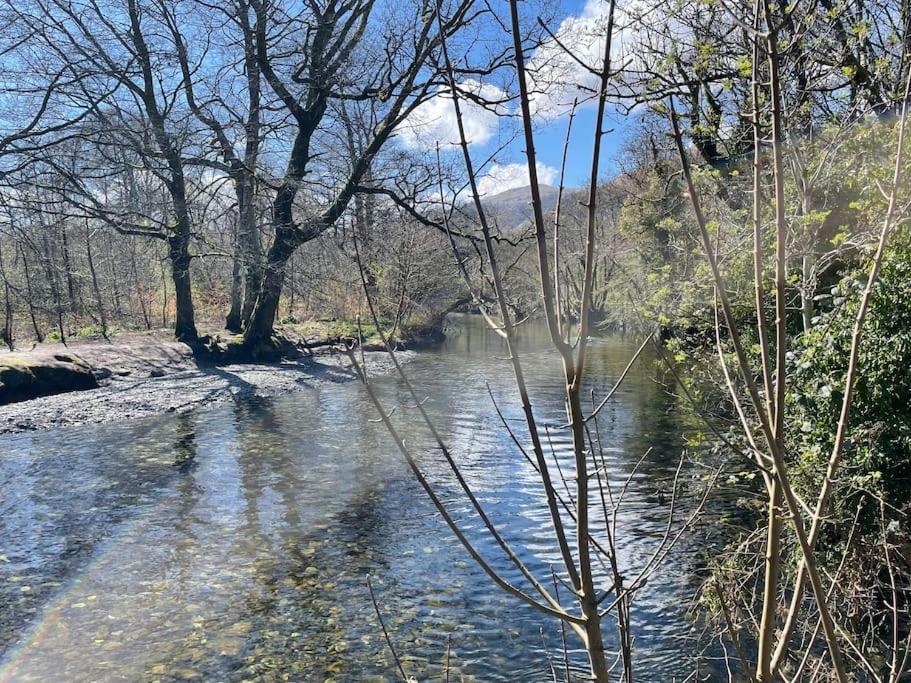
(140, 379)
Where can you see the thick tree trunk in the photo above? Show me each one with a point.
(253, 279)
(247, 274)
(179, 252)
(250, 248)
(233, 321)
(259, 327)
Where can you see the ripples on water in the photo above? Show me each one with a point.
(232, 543)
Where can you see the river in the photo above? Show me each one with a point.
(233, 542)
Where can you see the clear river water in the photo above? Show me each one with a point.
(233, 542)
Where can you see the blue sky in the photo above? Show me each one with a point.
(550, 139)
(555, 79)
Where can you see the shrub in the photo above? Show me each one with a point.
(877, 455)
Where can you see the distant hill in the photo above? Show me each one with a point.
(511, 210)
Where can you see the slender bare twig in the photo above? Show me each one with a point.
(777, 457)
(732, 631)
(505, 317)
(379, 617)
(494, 532)
(574, 621)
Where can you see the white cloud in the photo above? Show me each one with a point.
(434, 121)
(558, 77)
(503, 177)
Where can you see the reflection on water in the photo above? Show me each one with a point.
(233, 543)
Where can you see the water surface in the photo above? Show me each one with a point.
(233, 543)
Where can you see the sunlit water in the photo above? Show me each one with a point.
(233, 543)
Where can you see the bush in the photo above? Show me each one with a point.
(877, 454)
(90, 331)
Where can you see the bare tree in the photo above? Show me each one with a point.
(142, 123)
(329, 45)
(221, 116)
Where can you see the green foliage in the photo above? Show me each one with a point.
(90, 331)
(339, 329)
(835, 207)
(877, 456)
(745, 66)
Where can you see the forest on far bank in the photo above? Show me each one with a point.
(147, 161)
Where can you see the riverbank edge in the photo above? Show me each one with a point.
(90, 363)
(144, 375)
